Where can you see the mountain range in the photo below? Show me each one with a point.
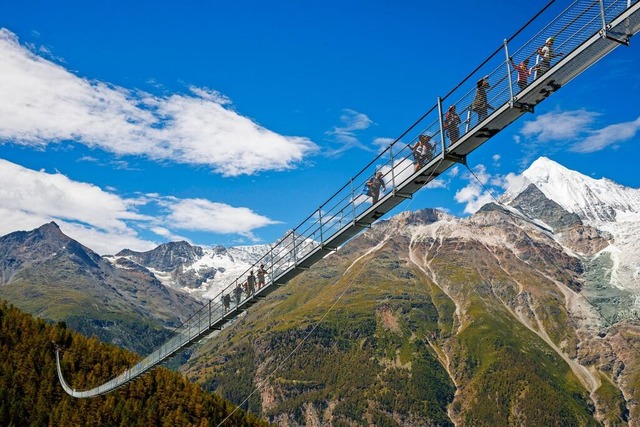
(46, 273)
(192, 269)
(525, 313)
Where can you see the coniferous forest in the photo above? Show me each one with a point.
(30, 394)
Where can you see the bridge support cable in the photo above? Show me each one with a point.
(577, 34)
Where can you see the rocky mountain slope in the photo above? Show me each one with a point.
(192, 269)
(46, 273)
(521, 314)
(201, 272)
(606, 209)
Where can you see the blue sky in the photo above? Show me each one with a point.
(135, 123)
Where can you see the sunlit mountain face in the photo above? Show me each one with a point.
(524, 313)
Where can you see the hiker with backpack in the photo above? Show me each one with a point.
(374, 185)
(452, 124)
(480, 104)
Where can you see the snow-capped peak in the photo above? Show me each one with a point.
(600, 203)
(593, 200)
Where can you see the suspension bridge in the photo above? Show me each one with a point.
(575, 38)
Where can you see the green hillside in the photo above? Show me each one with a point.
(368, 361)
(425, 332)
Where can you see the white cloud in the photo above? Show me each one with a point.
(402, 170)
(556, 126)
(210, 95)
(105, 221)
(482, 174)
(576, 127)
(169, 235)
(474, 195)
(345, 134)
(94, 217)
(607, 136)
(55, 195)
(514, 183)
(353, 121)
(438, 183)
(105, 242)
(382, 143)
(44, 103)
(204, 215)
(88, 159)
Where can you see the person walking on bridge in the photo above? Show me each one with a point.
(238, 293)
(419, 154)
(261, 275)
(374, 185)
(523, 72)
(422, 151)
(251, 284)
(480, 104)
(545, 55)
(452, 124)
(226, 301)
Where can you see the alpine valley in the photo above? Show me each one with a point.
(525, 313)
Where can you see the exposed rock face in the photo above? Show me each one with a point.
(536, 205)
(166, 257)
(23, 249)
(585, 240)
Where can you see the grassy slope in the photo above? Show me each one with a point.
(508, 374)
(90, 316)
(372, 359)
(354, 361)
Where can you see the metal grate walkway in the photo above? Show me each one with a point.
(582, 33)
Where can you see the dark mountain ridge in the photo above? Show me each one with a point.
(25, 248)
(166, 257)
(53, 276)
